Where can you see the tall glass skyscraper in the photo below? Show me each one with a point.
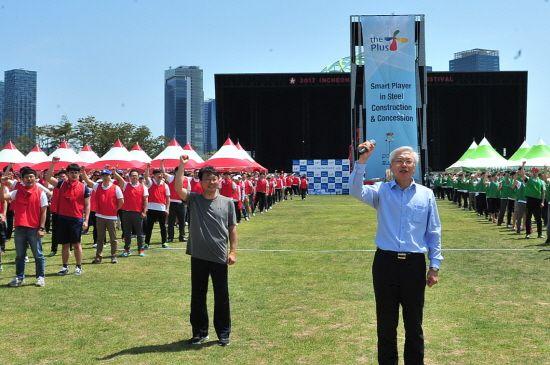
(184, 82)
(210, 130)
(177, 108)
(19, 114)
(475, 60)
(1, 106)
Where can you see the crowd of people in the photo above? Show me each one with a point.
(516, 196)
(128, 203)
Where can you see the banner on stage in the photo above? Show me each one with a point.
(325, 177)
(390, 87)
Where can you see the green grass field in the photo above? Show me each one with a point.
(311, 302)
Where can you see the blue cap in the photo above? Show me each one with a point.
(106, 172)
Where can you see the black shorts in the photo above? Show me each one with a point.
(68, 229)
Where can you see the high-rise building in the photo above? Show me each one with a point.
(475, 60)
(1, 105)
(210, 129)
(177, 108)
(19, 115)
(184, 82)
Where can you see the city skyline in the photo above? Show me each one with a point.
(80, 69)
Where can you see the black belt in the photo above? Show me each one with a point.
(400, 255)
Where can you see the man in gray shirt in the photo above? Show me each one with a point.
(212, 223)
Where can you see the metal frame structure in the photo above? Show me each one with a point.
(358, 110)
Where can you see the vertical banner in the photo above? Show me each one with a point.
(390, 87)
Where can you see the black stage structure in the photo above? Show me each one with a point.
(281, 117)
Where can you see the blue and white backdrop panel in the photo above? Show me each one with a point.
(326, 177)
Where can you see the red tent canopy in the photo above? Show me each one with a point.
(229, 158)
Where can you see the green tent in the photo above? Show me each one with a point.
(538, 155)
(485, 157)
(457, 166)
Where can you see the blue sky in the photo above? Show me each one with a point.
(107, 57)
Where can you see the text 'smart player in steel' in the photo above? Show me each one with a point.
(408, 228)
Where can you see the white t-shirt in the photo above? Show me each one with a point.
(118, 194)
(43, 198)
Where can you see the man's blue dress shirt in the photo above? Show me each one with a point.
(408, 220)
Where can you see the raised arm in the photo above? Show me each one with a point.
(49, 174)
(86, 178)
(183, 193)
(120, 179)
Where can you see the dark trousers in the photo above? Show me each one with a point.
(533, 209)
(55, 244)
(152, 217)
(92, 223)
(399, 282)
(506, 206)
(481, 204)
(238, 212)
(303, 192)
(200, 271)
(177, 212)
(9, 223)
(2, 238)
(48, 223)
(545, 211)
(132, 222)
(279, 194)
(261, 200)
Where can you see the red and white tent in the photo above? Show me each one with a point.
(245, 155)
(171, 156)
(87, 156)
(229, 158)
(10, 153)
(66, 156)
(139, 155)
(36, 156)
(118, 157)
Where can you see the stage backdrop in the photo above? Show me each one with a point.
(390, 87)
(325, 177)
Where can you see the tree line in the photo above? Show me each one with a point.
(100, 135)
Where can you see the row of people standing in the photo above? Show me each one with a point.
(517, 196)
(77, 200)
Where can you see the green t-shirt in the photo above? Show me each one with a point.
(492, 190)
(520, 191)
(534, 187)
(506, 191)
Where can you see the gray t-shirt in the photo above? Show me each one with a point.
(209, 223)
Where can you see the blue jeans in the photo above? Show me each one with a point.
(28, 236)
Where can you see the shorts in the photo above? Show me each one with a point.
(68, 229)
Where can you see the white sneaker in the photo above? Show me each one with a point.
(64, 271)
(40, 281)
(16, 281)
(26, 258)
(78, 271)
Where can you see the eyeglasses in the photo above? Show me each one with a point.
(407, 162)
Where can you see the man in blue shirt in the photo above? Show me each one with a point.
(408, 228)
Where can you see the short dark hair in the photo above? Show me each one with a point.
(133, 170)
(62, 171)
(208, 170)
(73, 167)
(27, 171)
(157, 171)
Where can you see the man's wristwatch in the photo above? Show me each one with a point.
(41, 229)
(434, 269)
